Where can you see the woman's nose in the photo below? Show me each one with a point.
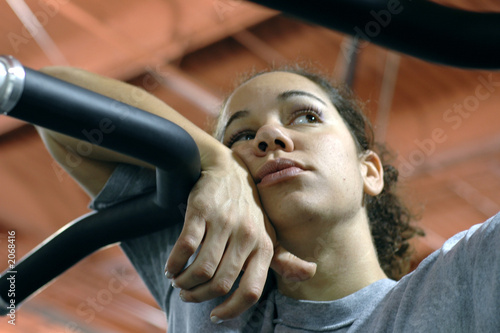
(269, 138)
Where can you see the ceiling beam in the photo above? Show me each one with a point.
(474, 197)
(260, 48)
(95, 27)
(459, 154)
(177, 81)
(37, 31)
(386, 96)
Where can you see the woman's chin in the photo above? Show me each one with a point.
(288, 212)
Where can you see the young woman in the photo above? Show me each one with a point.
(299, 152)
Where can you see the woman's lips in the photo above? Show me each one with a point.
(277, 170)
(281, 175)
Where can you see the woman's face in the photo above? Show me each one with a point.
(297, 148)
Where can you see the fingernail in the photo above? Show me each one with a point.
(169, 275)
(182, 297)
(174, 285)
(216, 320)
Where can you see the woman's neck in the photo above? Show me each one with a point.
(345, 256)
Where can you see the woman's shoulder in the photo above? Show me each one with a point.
(455, 288)
(489, 228)
(466, 251)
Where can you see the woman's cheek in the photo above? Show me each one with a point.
(244, 152)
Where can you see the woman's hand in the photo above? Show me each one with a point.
(225, 218)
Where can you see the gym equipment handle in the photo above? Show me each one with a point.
(57, 105)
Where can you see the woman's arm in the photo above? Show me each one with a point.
(223, 208)
(84, 165)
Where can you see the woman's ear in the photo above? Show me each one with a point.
(372, 173)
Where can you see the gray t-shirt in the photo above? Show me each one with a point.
(455, 289)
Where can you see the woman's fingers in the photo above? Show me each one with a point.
(291, 267)
(207, 260)
(286, 264)
(238, 253)
(188, 242)
(249, 289)
(223, 280)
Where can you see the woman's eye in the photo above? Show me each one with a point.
(242, 136)
(306, 118)
(245, 137)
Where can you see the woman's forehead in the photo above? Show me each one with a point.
(272, 85)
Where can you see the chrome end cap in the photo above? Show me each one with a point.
(12, 76)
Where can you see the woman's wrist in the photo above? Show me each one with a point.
(215, 155)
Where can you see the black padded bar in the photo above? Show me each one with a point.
(48, 102)
(418, 28)
(66, 108)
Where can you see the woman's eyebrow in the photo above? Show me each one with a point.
(283, 96)
(236, 115)
(291, 93)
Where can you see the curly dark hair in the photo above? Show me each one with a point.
(390, 219)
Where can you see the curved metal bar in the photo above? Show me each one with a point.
(418, 28)
(80, 238)
(48, 102)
